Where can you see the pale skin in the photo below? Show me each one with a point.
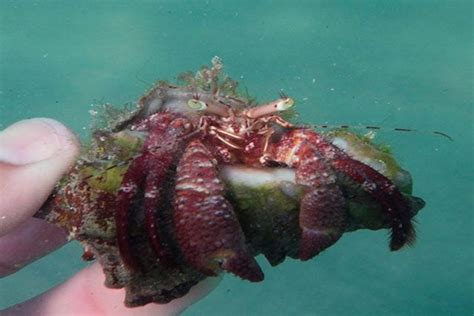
(34, 154)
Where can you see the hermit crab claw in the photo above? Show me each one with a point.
(208, 231)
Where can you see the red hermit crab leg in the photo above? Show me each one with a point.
(147, 172)
(206, 226)
(322, 216)
(132, 180)
(382, 189)
(290, 149)
(153, 198)
(386, 194)
(322, 219)
(270, 108)
(162, 148)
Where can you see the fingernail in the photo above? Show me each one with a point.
(30, 141)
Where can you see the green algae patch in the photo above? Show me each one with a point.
(128, 142)
(268, 196)
(108, 180)
(268, 216)
(112, 154)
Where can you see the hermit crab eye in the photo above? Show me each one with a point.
(284, 104)
(197, 105)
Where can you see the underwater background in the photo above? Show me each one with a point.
(386, 63)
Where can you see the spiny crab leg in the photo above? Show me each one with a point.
(277, 119)
(216, 131)
(223, 140)
(209, 107)
(278, 105)
(266, 142)
(221, 131)
(208, 232)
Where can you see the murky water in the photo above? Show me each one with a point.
(404, 64)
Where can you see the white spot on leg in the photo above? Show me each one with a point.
(192, 186)
(204, 164)
(129, 187)
(151, 194)
(250, 146)
(369, 186)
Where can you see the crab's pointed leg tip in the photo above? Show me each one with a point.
(313, 242)
(244, 266)
(394, 247)
(309, 245)
(407, 240)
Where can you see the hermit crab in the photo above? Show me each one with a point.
(198, 179)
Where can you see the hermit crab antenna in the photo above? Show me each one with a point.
(282, 104)
(372, 128)
(209, 107)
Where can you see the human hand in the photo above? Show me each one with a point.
(34, 154)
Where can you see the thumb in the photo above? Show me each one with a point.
(34, 154)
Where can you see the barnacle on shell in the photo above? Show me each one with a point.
(266, 200)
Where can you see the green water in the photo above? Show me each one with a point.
(394, 64)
